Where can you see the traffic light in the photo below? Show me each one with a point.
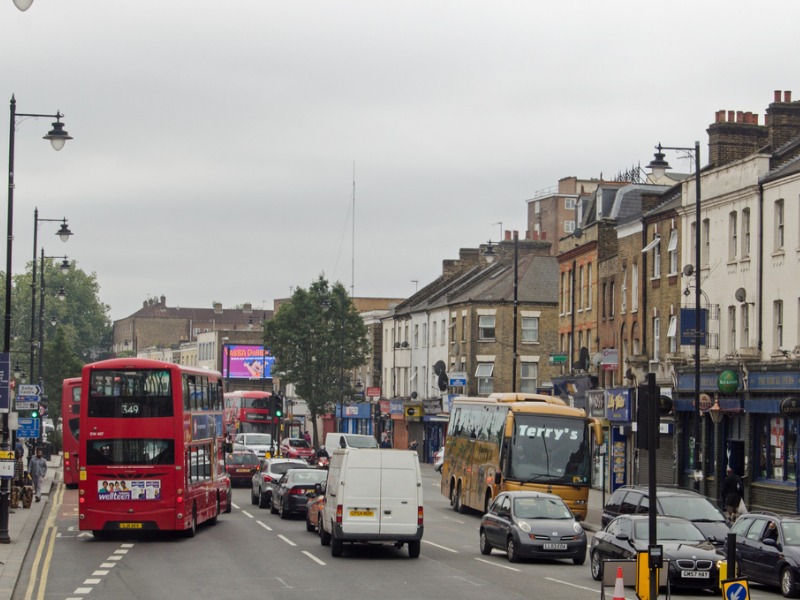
(35, 413)
(277, 406)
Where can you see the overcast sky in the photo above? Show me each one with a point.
(215, 142)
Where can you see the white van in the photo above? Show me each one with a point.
(372, 495)
(333, 441)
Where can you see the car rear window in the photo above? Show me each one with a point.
(242, 459)
(281, 468)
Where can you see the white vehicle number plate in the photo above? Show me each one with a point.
(555, 546)
(695, 574)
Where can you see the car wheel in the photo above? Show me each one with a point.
(263, 500)
(580, 559)
(413, 549)
(253, 497)
(511, 550)
(596, 565)
(485, 546)
(336, 546)
(272, 508)
(788, 583)
(284, 514)
(324, 536)
(309, 526)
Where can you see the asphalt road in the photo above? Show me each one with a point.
(252, 554)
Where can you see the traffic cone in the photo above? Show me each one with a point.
(619, 586)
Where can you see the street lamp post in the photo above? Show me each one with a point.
(661, 164)
(490, 255)
(61, 295)
(57, 137)
(64, 234)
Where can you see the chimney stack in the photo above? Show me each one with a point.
(732, 138)
(784, 120)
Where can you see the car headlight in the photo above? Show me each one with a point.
(524, 526)
(577, 527)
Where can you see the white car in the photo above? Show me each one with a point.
(438, 460)
(260, 443)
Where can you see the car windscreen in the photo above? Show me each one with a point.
(690, 507)
(361, 441)
(299, 444)
(540, 508)
(669, 530)
(258, 439)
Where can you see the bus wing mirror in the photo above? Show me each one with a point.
(498, 478)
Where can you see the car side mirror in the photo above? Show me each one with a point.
(622, 536)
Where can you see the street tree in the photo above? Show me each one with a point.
(317, 339)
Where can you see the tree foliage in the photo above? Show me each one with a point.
(317, 339)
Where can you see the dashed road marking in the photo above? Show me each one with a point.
(494, 564)
(314, 558)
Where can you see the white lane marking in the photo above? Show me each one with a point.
(247, 514)
(115, 558)
(286, 585)
(236, 506)
(107, 565)
(100, 572)
(494, 564)
(126, 546)
(314, 558)
(92, 581)
(287, 540)
(580, 587)
(442, 547)
(120, 551)
(267, 527)
(83, 590)
(452, 519)
(464, 579)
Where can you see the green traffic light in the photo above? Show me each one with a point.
(35, 414)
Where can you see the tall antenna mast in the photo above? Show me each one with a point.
(353, 245)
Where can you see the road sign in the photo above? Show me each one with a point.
(458, 378)
(373, 392)
(29, 389)
(27, 427)
(558, 358)
(25, 405)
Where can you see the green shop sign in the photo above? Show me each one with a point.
(728, 381)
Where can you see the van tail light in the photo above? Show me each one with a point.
(420, 516)
(339, 512)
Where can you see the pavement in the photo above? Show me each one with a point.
(22, 525)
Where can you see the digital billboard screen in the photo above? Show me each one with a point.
(246, 362)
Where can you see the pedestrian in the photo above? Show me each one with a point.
(19, 467)
(307, 436)
(732, 492)
(37, 469)
(386, 442)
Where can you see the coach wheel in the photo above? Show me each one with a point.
(487, 502)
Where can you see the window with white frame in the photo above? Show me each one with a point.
(731, 329)
(634, 287)
(733, 235)
(706, 239)
(424, 334)
(579, 211)
(444, 335)
(745, 232)
(612, 300)
(604, 301)
(463, 327)
(672, 334)
(657, 261)
(672, 250)
(623, 301)
(569, 226)
(569, 203)
(589, 286)
(483, 373)
(745, 325)
(537, 207)
(530, 330)
(529, 377)
(581, 298)
(433, 333)
(486, 327)
(416, 335)
(779, 230)
(656, 338)
(777, 316)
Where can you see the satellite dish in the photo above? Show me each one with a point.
(740, 295)
(439, 367)
(688, 270)
(413, 395)
(577, 232)
(597, 359)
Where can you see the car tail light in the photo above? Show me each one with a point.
(267, 479)
(296, 491)
(419, 515)
(339, 513)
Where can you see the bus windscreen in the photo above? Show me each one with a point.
(551, 450)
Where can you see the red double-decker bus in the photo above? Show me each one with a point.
(153, 442)
(70, 429)
(247, 411)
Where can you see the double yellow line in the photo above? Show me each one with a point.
(46, 545)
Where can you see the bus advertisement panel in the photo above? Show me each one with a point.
(152, 447)
(509, 442)
(70, 429)
(247, 411)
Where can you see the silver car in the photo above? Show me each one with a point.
(265, 481)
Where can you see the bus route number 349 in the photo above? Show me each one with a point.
(129, 408)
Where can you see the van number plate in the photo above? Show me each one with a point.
(362, 513)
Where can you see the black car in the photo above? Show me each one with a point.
(532, 525)
(290, 495)
(266, 479)
(769, 554)
(675, 502)
(692, 558)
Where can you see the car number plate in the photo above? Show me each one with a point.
(362, 513)
(555, 546)
(242, 470)
(130, 525)
(695, 574)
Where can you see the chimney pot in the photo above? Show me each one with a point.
(740, 116)
(755, 118)
(720, 116)
(777, 95)
(731, 116)
(787, 96)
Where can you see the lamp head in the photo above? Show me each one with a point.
(65, 266)
(489, 254)
(64, 232)
(57, 136)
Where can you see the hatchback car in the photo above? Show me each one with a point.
(675, 502)
(290, 495)
(692, 558)
(769, 555)
(297, 448)
(241, 467)
(266, 479)
(316, 499)
(532, 525)
(260, 443)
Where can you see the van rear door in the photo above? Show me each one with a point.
(361, 490)
(401, 493)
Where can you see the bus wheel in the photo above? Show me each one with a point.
(229, 503)
(192, 531)
(213, 520)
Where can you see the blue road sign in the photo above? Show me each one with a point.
(27, 427)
